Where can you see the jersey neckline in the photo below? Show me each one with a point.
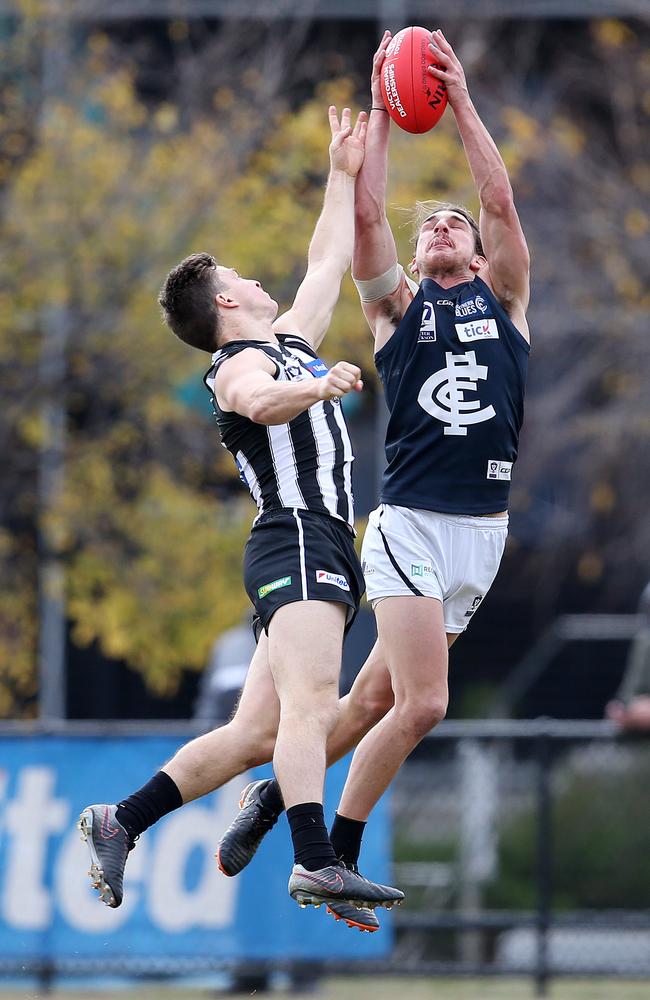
(452, 288)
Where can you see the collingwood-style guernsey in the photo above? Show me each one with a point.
(304, 464)
(454, 375)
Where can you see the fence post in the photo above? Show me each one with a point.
(544, 862)
(478, 844)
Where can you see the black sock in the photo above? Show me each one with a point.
(311, 844)
(271, 797)
(146, 806)
(346, 835)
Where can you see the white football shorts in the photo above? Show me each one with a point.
(451, 557)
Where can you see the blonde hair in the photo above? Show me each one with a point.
(423, 210)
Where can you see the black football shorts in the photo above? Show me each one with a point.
(298, 555)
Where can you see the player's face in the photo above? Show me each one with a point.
(445, 242)
(248, 292)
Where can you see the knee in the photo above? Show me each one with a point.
(260, 750)
(319, 712)
(252, 736)
(420, 716)
(371, 703)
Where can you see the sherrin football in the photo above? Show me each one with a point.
(414, 99)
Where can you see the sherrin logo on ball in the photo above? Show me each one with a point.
(414, 99)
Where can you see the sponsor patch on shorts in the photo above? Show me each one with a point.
(334, 579)
(421, 569)
(499, 470)
(283, 581)
(473, 606)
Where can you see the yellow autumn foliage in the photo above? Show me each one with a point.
(102, 194)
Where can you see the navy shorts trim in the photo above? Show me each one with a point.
(299, 555)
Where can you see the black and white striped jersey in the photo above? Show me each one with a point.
(304, 464)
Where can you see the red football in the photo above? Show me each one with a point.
(414, 99)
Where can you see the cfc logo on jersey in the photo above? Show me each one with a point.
(443, 394)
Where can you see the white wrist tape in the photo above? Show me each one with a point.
(378, 288)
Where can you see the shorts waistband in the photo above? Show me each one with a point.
(482, 521)
(268, 515)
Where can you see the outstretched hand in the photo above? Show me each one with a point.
(447, 67)
(348, 144)
(377, 63)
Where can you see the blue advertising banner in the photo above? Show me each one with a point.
(177, 905)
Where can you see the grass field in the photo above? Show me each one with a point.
(387, 988)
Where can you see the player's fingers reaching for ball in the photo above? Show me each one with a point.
(446, 65)
(340, 137)
(334, 120)
(380, 54)
(441, 42)
(443, 52)
(361, 125)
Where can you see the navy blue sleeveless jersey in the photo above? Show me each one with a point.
(454, 375)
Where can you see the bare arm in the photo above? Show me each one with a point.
(245, 384)
(503, 238)
(374, 245)
(375, 252)
(330, 249)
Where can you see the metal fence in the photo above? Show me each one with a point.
(522, 847)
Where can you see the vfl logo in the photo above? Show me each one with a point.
(499, 470)
(443, 394)
(427, 334)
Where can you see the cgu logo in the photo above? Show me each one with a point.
(45, 864)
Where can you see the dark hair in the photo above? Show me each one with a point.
(187, 301)
(425, 209)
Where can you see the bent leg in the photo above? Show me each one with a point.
(370, 697)
(248, 740)
(413, 640)
(209, 761)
